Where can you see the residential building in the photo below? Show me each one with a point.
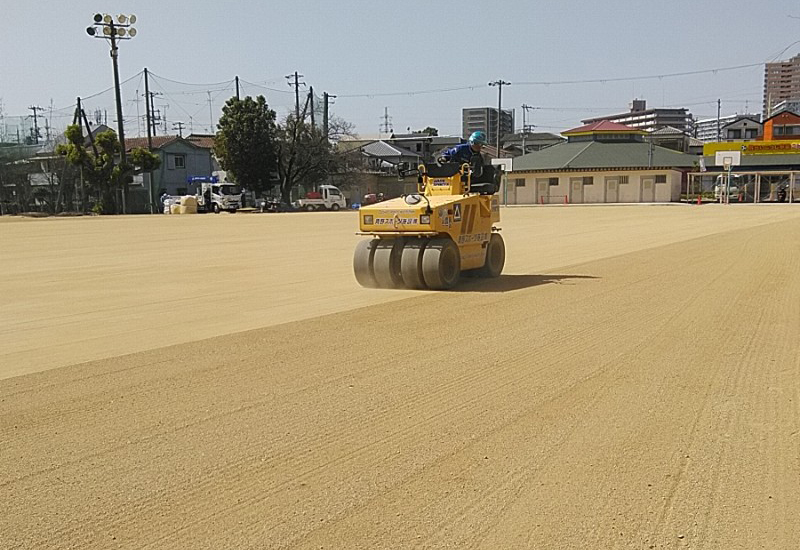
(709, 130)
(781, 83)
(424, 145)
(670, 138)
(180, 160)
(601, 162)
(484, 119)
(642, 118)
(783, 126)
(742, 129)
(787, 105)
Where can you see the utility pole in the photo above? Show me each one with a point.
(326, 97)
(147, 109)
(35, 133)
(525, 127)
(77, 118)
(296, 85)
(138, 114)
(499, 83)
(179, 126)
(237, 87)
(154, 116)
(210, 114)
(719, 106)
(311, 100)
(149, 135)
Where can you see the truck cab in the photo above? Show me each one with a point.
(216, 197)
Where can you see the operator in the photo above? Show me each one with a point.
(466, 151)
(484, 178)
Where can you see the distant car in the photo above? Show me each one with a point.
(736, 187)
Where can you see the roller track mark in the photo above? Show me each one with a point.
(730, 385)
(467, 405)
(524, 473)
(493, 374)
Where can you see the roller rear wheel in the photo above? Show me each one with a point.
(441, 264)
(495, 257)
(362, 263)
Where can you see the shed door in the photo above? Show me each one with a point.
(576, 190)
(543, 191)
(511, 190)
(612, 190)
(648, 190)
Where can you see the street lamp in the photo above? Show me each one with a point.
(105, 27)
(499, 83)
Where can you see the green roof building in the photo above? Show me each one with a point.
(602, 162)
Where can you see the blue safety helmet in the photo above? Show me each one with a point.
(478, 138)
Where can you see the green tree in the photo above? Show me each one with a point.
(429, 130)
(245, 142)
(101, 174)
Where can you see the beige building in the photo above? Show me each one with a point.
(602, 162)
(781, 83)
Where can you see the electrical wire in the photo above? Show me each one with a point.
(191, 83)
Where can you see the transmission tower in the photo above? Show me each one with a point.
(386, 126)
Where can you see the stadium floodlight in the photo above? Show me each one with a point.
(105, 27)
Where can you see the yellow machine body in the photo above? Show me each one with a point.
(444, 209)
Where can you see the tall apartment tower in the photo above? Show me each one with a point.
(781, 83)
(485, 119)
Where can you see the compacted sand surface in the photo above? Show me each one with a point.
(631, 381)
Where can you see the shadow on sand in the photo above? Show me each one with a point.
(507, 283)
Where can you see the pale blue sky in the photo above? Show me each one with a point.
(355, 47)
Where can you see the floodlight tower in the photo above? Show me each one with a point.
(105, 27)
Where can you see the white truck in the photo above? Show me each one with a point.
(328, 197)
(723, 190)
(216, 197)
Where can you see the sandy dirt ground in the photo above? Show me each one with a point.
(631, 381)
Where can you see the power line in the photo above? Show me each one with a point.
(191, 83)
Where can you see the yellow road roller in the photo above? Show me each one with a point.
(428, 239)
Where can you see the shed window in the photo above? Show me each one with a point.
(623, 179)
(552, 182)
(588, 180)
(661, 178)
(519, 182)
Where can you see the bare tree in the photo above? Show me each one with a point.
(305, 155)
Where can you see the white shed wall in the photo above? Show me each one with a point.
(606, 187)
